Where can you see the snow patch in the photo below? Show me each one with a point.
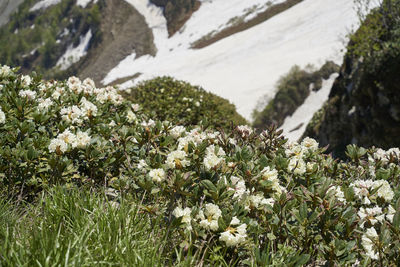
(294, 126)
(84, 3)
(245, 66)
(44, 4)
(74, 54)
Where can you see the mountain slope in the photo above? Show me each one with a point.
(246, 65)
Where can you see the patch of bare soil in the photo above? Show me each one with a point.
(260, 18)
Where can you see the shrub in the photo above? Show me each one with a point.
(181, 103)
(229, 198)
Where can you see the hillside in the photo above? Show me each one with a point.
(201, 42)
(364, 105)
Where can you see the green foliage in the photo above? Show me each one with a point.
(292, 89)
(181, 103)
(180, 196)
(36, 33)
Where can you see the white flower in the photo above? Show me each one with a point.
(361, 189)
(211, 161)
(45, 104)
(234, 235)
(29, 94)
(293, 149)
(135, 107)
(177, 159)
(5, 71)
(310, 144)
(272, 175)
(68, 137)
(82, 139)
(239, 187)
(260, 200)
(197, 104)
(2, 116)
(88, 108)
(157, 175)
(26, 80)
(131, 116)
(72, 114)
(209, 218)
(58, 146)
(112, 123)
(185, 214)
(384, 191)
(244, 130)
(368, 241)
(338, 193)
(297, 166)
(149, 123)
(88, 86)
(142, 164)
(390, 214)
(372, 215)
(74, 84)
(269, 174)
(177, 131)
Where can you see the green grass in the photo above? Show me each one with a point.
(67, 227)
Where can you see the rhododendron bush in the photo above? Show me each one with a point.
(231, 197)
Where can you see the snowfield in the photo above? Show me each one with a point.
(44, 4)
(245, 66)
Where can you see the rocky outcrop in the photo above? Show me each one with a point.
(291, 92)
(364, 103)
(123, 31)
(177, 12)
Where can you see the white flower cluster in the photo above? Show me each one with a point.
(214, 156)
(45, 104)
(67, 140)
(185, 214)
(209, 217)
(337, 193)
(28, 94)
(177, 131)
(362, 190)
(234, 236)
(2, 117)
(157, 175)
(244, 130)
(385, 156)
(296, 152)
(5, 71)
(195, 136)
(271, 175)
(76, 115)
(239, 187)
(177, 159)
(371, 213)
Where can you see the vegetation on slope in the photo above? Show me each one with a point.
(291, 92)
(182, 103)
(41, 37)
(364, 104)
(180, 195)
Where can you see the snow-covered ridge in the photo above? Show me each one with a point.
(73, 54)
(44, 4)
(245, 66)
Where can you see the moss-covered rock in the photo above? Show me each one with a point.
(364, 104)
(292, 90)
(183, 103)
